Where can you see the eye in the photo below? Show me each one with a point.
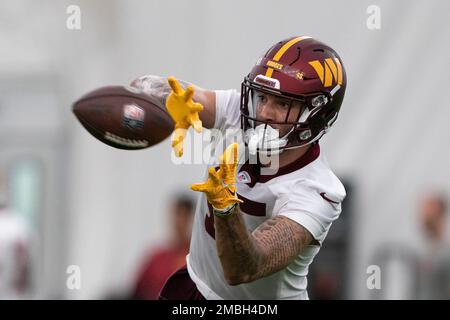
(261, 97)
(284, 104)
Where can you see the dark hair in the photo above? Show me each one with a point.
(185, 201)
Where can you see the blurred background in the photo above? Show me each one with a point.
(71, 206)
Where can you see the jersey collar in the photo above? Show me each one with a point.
(254, 170)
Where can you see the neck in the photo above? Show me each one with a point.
(181, 244)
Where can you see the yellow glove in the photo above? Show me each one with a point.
(220, 188)
(184, 111)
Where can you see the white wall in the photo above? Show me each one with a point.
(391, 137)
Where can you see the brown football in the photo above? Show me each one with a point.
(123, 117)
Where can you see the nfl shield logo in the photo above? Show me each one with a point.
(133, 116)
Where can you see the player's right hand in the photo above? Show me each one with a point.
(220, 188)
(184, 112)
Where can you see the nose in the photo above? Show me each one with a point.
(266, 111)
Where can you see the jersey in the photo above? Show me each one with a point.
(306, 191)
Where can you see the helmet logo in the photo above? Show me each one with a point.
(299, 75)
(275, 65)
(329, 72)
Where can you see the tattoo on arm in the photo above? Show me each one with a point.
(156, 87)
(235, 248)
(280, 240)
(270, 248)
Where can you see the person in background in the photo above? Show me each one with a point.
(434, 262)
(14, 251)
(164, 261)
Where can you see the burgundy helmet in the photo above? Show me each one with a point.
(298, 69)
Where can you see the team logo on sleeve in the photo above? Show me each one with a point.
(243, 177)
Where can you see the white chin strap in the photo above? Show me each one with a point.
(265, 140)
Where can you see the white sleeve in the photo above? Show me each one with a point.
(307, 207)
(227, 109)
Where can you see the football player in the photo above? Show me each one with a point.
(255, 234)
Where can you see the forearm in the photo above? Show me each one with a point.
(159, 89)
(239, 254)
(271, 247)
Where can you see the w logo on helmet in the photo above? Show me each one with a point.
(329, 72)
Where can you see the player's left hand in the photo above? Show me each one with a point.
(220, 188)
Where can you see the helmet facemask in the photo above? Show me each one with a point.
(264, 136)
